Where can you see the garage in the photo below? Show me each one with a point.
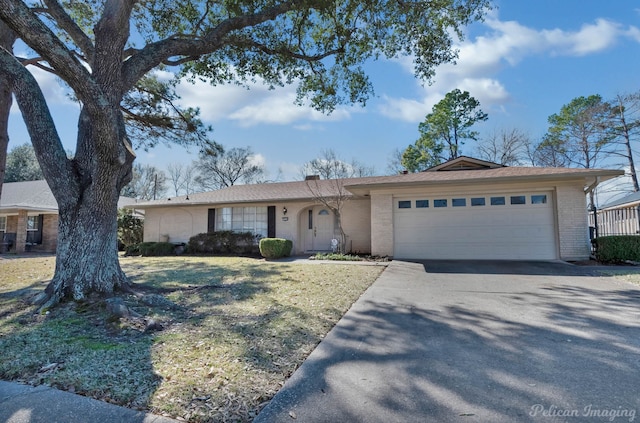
(505, 226)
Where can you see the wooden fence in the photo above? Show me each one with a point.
(624, 221)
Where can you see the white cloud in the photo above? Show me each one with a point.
(505, 43)
(407, 109)
(257, 160)
(53, 90)
(253, 106)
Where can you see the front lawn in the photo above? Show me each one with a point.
(233, 331)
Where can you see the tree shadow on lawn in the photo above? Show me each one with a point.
(76, 348)
(572, 347)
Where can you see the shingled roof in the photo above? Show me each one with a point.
(28, 195)
(254, 193)
(34, 196)
(299, 190)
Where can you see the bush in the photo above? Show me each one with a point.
(273, 248)
(223, 242)
(130, 229)
(336, 257)
(132, 250)
(617, 248)
(151, 249)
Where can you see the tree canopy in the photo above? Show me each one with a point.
(444, 131)
(579, 134)
(224, 168)
(22, 165)
(103, 50)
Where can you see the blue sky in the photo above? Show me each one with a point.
(523, 63)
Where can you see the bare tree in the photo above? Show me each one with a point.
(625, 119)
(507, 147)
(329, 166)
(188, 180)
(176, 176)
(545, 155)
(226, 168)
(147, 183)
(329, 189)
(394, 162)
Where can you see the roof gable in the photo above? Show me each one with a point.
(464, 163)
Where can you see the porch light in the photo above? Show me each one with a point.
(284, 210)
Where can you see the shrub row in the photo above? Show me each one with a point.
(274, 248)
(151, 249)
(617, 248)
(223, 242)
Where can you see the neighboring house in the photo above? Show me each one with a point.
(463, 209)
(29, 217)
(618, 217)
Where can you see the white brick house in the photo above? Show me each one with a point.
(463, 209)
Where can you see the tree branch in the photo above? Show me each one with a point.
(159, 52)
(64, 21)
(38, 36)
(248, 43)
(37, 117)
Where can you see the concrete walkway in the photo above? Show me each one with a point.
(41, 404)
(475, 342)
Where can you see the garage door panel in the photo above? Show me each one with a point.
(525, 231)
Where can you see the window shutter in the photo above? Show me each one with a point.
(38, 234)
(211, 221)
(271, 221)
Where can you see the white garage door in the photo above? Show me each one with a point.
(509, 226)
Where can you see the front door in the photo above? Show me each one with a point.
(320, 229)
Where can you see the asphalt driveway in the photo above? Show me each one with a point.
(475, 342)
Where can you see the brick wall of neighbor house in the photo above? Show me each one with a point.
(21, 232)
(573, 228)
(382, 224)
(49, 234)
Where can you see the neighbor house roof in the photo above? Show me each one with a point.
(28, 195)
(35, 196)
(632, 199)
(299, 190)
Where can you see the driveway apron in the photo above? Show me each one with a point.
(475, 342)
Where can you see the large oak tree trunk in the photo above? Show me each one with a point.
(86, 255)
(7, 38)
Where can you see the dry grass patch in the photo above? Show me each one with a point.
(234, 331)
(625, 275)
